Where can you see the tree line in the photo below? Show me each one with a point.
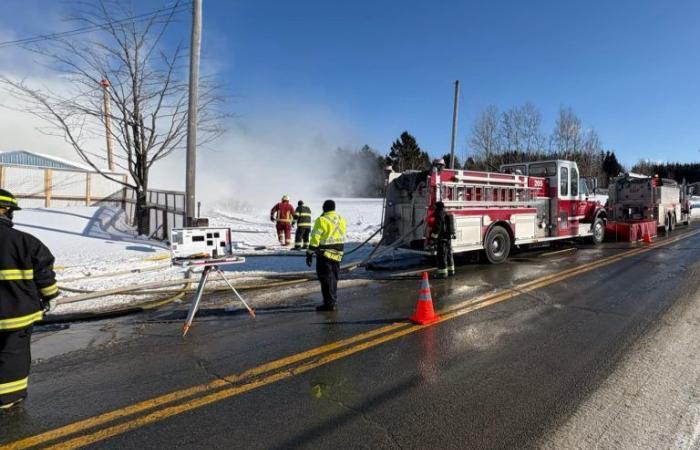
(689, 172)
(515, 136)
(496, 138)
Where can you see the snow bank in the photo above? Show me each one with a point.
(86, 236)
(252, 228)
(96, 250)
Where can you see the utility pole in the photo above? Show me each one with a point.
(454, 126)
(195, 46)
(108, 122)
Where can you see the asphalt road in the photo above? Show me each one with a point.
(521, 345)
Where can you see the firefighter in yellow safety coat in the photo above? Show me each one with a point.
(327, 242)
(27, 287)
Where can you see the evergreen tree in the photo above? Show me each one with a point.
(611, 166)
(405, 154)
(447, 159)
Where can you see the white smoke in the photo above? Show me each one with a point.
(263, 157)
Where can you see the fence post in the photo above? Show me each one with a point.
(88, 189)
(165, 219)
(2, 177)
(48, 173)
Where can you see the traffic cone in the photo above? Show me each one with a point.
(425, 314)
(647, 238)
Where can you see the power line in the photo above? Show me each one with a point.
(137, 18)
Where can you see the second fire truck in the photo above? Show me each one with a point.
(642, 198)
(525, 203)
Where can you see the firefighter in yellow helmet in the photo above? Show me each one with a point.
(27, 286)
(327, 242)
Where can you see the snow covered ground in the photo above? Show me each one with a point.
(96, 250)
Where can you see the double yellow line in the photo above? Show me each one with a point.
(159, 408)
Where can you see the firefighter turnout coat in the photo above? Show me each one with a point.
(282, 212)
(27, 278)
(302, 216)
(328, 236)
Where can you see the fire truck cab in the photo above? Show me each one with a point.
(523, 204)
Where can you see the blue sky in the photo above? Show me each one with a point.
(630, 69)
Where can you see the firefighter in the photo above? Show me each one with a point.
(27, 286)
(442, 234)
(302, 220)
(439, 164)
(327, 242)
(282, 214)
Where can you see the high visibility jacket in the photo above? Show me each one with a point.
(26, 277)
(328, 236)
(303, 216)
(282, 212)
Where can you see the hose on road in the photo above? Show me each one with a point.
(155, 288)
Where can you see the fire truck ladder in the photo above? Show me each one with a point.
(487, 190)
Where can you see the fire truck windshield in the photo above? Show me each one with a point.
(548, 169)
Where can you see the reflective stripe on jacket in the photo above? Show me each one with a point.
(283, 212)
(26, 277)
(328, 236)
(303, 216)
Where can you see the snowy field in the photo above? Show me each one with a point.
(96, 250)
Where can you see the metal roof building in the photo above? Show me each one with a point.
(32, 159)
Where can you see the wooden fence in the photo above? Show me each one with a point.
(37, 187)
(41, 187)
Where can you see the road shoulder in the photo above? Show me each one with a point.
(652, 398)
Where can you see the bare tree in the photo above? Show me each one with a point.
(520, 131)
(485, 138)
(148, 92)
(532, 129)
(567, 137)
(589, 158)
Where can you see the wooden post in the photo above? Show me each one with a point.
(124, 192)
(48, 173)
(88, 190)
(108, 123)
(2, 177)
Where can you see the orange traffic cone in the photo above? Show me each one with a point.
(647, 238)
(425, 314)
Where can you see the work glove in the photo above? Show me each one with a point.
(309, 259)
(272, 218)
(48, 305)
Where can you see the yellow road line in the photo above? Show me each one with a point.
(189, 392)
(384, 334)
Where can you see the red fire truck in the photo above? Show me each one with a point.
(640, 204)
(525, 203)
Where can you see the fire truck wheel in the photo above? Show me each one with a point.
(672, 222)
(598, 232)
(667, 224)
(497, 245)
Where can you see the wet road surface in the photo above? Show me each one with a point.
(494, 374)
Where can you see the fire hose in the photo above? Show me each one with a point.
(152, 288)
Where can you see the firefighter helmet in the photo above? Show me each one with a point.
(7, 200)
(439, 162)
(285, 198)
